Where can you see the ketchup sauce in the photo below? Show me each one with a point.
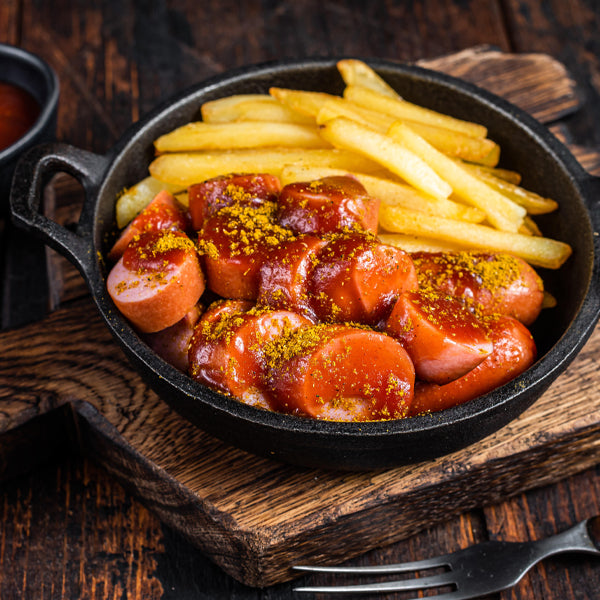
(18, 112)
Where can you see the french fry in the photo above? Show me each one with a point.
(549, 301)
(274, 112)
(222, 136)
(134, 199)
(455, 144)
(306, 103)
(412, 243)
(537, 250)
(338, 107)
(533, 203)
(400, 194)
(403, 110)
(225, 109)
(451, 143)
(390, 192)
(186, 168)
(356, 72)
(501, 211)
(505, 174)
(349, 135)
(529, 227)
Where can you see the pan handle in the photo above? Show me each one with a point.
(33, 171)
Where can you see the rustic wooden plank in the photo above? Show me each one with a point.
(537, 83)
(117, 543)
(569, 32)
(255, 517)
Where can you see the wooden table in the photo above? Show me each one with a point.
(67, 528)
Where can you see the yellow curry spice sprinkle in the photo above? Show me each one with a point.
(494, 271)
(247, 226)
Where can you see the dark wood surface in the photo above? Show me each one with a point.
(67, 528)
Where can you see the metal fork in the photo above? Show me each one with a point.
(482, 569)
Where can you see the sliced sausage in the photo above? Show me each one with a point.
(443, 339)
(226, 350)
(157, 280)
(171, 344)
(327, 205)
(234, 243)
(283, 277)
(514, 352)
(206, 198)
(356, 278)
(164, 212)
(491, 283)
(341, 373)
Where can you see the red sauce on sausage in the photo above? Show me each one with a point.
(18, 112)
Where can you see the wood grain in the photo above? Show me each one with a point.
(252, 516)
(256, 517)
(71, 379)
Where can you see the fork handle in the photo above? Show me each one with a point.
(583, 537)
(593, 529)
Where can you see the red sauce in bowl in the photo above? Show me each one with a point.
(18, 112)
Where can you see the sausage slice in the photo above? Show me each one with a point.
(340, 373)
(157, 280)
(164, 212)
(171, 344)
(234, 243)
(284, 275)
(489, 283)
(443, 339)
(357, 278)
(327, 205)
(208, 197)
(514, 352)
(226, 349)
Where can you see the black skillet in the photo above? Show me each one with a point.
(546, 165)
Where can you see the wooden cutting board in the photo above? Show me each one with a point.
(65, 385)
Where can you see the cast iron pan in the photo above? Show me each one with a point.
(547, 167)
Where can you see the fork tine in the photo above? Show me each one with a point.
(385, 586)
(417, 565)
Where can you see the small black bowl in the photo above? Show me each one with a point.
(32, 74)
(546, 165)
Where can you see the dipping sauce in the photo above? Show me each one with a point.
(18, 112)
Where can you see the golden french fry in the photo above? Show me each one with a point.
(505, 174)
(225, 109)
(186, 168)
(412, 243)
(451, 143)
(533, 203)
(390, 192)
(134, 199)
(501, 211)
(455, 144)
(530, 227)
(407, 111)
(549, 301)
(399, 194)
(537, 250)
(306, 103)
(338, 107)
(183, 198)
(222, 136)
(347, 134)
(356, 72)
(274, 111)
